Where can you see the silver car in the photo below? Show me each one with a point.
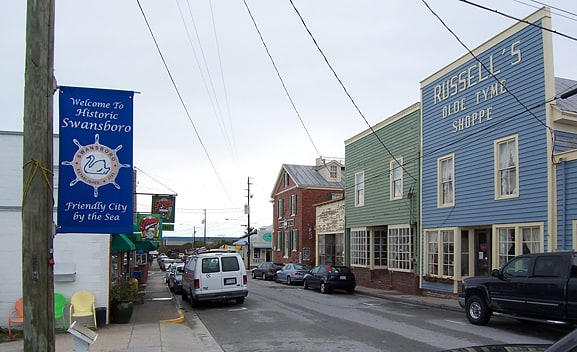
(292, 273)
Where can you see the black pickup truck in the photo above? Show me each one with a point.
(537, 286)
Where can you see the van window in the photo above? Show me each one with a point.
(210, 265)
(230, 264)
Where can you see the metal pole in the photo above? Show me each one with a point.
(204, 228)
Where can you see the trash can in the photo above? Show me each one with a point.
(101, 316)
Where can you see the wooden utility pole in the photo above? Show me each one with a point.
(248, 229)
(37, 192)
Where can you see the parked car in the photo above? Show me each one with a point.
(164, 263)
(214, 275)
(266, 270)
(292, 273)
(330, 277)
(537, 286)
(175, 278)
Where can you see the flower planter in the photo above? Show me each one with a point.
(121, 312)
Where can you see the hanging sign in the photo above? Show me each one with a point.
(95, 185)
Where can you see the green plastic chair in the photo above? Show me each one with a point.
(60, 303)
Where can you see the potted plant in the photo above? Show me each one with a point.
(123, 294)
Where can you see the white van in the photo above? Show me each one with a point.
(214, 275)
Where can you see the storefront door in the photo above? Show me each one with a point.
(483, 252)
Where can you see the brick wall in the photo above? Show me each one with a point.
(387, 280)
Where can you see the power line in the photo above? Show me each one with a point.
(182, 102)
(347, 92)
(514, 18)
(280, 78)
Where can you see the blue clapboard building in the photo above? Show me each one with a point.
(499, 169)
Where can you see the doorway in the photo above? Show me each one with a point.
(483, 252)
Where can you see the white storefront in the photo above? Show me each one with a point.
(82, 260)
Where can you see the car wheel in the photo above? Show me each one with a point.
(477, 310)
(350, 291)
(306, 284)
(324, 288)
(263, 276)
(253, 275)
(240, 300)
(288, 280)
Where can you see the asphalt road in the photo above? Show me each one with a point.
(277, 317)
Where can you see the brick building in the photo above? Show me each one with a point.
(297, 189)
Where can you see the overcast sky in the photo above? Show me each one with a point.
(237, 121)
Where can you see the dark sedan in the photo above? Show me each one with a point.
(292, 273)
(266, 270)
(330, 277)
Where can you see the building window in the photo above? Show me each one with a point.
(280, 244)
(510, 244)
(293, 205)
(359, 189)
(295, 240)
(285, 179)
(440, 257)
(574, 226)
(280, 208)
(333, 171)
(446, 172)
(400, 242)
(396, 176)
(360, 247)
(380, 249)
(506, 168)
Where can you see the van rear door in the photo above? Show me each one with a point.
(231, 273)
(211, 277)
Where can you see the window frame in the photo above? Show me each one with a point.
(396, 165)
(441, 203)
(442, 259)
(502, 255)
(359, 189)
(280, 208)
(498, 171)
(293, 204)
(400, 236)
(360, 247)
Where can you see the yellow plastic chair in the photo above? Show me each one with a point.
(60, 303)
(16, 316)
(82, 305)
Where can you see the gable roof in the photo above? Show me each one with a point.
(307, 176)
(563, 85)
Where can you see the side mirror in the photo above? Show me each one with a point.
(496, 273)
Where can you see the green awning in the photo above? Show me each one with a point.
(142, 245)
(121, 243)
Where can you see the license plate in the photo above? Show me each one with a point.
(343, 277)
(230, 281)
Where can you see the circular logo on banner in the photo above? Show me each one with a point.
(95, 165)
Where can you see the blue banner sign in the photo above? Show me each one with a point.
(95, 185)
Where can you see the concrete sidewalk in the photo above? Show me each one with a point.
(158, 324)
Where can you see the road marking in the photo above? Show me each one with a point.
(237, 309)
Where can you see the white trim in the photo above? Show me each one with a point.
(496, 178)
(391, 179)
(440, 204)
